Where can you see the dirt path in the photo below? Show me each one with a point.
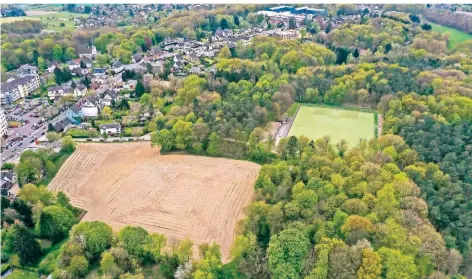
(379, 125)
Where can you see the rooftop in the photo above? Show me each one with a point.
(16, 81)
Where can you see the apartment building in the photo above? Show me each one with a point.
(3, 124)
(18, 87)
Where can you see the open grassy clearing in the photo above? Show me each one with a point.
(22, 274)
(177, 195)
(315, 122)
(39, 12)
(51, 19)
(455, 36)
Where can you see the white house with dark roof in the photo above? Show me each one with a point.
(117, 67)
(87, 62)
(91, 106)
(80, 90)
(72, 65)
(86, 52)
(109, 96)
(52, 66)
(110, 129)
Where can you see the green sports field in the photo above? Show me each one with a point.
(316, 122)
(455, 36)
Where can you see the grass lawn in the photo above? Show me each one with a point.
(48, 263)
(53, 23)
(23, 274)
(455, 36)
(292, 109)
(315, 122)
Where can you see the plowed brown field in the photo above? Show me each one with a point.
(177, 195)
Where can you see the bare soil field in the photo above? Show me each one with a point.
(177, 195)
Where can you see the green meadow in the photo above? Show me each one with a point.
(455, 36)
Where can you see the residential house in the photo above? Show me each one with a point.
(178, 58)
(147, 58)
(117, 67)
(221, 35)
(100, 79)
(91, 106)
(77, 72)
(52, 66)
(55, 91)
(110, 129)
(18, 87)
(87, 62)
(84, 72)
(27, 70)
(72, 65)
(130, 84)
(141, 68)
(192, 57)
(195, 70)
(136, 58)
(74, 113)
(62, 125)
(287, 35)
(231, 45)
(109, 96)
(86, 52)
(178, 65)
(80, 90)
(157, 67)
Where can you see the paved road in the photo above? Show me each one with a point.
(146, 137)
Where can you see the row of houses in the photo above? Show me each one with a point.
(65, 124)
(55, 92)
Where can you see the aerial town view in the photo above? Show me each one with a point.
(236, 141)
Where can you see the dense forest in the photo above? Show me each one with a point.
(394, 207)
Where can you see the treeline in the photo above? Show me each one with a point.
(41, 165)
(22, 27)
(12, 11)
(327, 213)
(36, 214)
(439, 129)
(461, 21)
(22, 49)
